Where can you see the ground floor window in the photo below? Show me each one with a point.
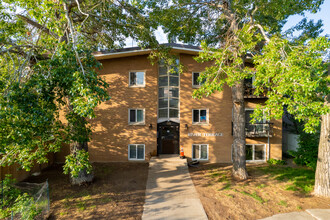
(200, 152)
(255, 152)
(136, 151)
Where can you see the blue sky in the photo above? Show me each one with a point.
(323, 14)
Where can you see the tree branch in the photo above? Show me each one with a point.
(37, 25)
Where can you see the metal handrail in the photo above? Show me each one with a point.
(259, 129)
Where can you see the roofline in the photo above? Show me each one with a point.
(142, 52)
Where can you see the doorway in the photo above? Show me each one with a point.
(168, 134)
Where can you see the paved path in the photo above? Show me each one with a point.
(309, 214)
(170, 191)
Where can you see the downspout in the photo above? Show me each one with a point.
(268, 148)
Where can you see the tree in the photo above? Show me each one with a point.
(229, 31)
(46, 64)
(297, 75)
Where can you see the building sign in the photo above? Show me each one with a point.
(204, 134)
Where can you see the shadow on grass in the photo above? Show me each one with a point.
(302, 179)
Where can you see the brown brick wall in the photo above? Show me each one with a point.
(112, 133)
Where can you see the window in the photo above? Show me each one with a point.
(136, 116)
(168, 92)
(200, 116)
(136, 79)
(136, 151)
(259, 126)
(255, 152)
(195, 81)
(200, 152)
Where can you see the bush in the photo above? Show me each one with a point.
(307, 151)
(276, 162)
(15, 201)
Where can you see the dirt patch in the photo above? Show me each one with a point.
(118, 192)
(270, 190)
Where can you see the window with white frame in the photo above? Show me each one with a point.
(136, 151)
(255, 152)
(136, 79)
(200, 151)
(200, 116)
(136, 116)
(195, 81)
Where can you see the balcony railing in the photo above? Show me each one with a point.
(259, 129)
(249, 92)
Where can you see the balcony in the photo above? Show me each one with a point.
(259, 129)
(249, 92)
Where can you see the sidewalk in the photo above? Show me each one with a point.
(170, 192)
(309, 214)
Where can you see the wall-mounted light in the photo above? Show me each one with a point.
(186, 126)
(150, 126)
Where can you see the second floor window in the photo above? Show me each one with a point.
(200, 116)
(136, 79)
(136, 116)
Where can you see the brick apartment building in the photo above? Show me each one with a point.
(152, 112)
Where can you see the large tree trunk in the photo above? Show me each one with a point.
(239, 163)
(83, 177)
(322, 176)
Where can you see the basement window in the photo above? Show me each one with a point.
(136, 151)
(200, 151)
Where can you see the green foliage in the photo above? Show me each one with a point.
(297, 77)
(74, 163)
(17, 202)
(272, 161)
(46, 66)
(307, 151)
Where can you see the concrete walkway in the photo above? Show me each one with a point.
(170, 191)
(309, 214)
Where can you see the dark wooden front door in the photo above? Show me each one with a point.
(168, 138)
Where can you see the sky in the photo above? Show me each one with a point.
(323, 14)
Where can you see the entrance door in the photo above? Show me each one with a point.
(168, 138)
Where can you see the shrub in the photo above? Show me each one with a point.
(276, 162)
(307, 151)
(15, 201)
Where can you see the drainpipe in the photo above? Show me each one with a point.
(268, 142)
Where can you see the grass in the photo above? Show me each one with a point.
(81, 205)
(283, 203)
(261, 186)
(253, 195)
(301, 179)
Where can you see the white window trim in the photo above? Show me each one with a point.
(137, 86)
(253, 152)
(136, 123)
(144, 152)
(200, 123)
(192, 150)
(192, 80)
